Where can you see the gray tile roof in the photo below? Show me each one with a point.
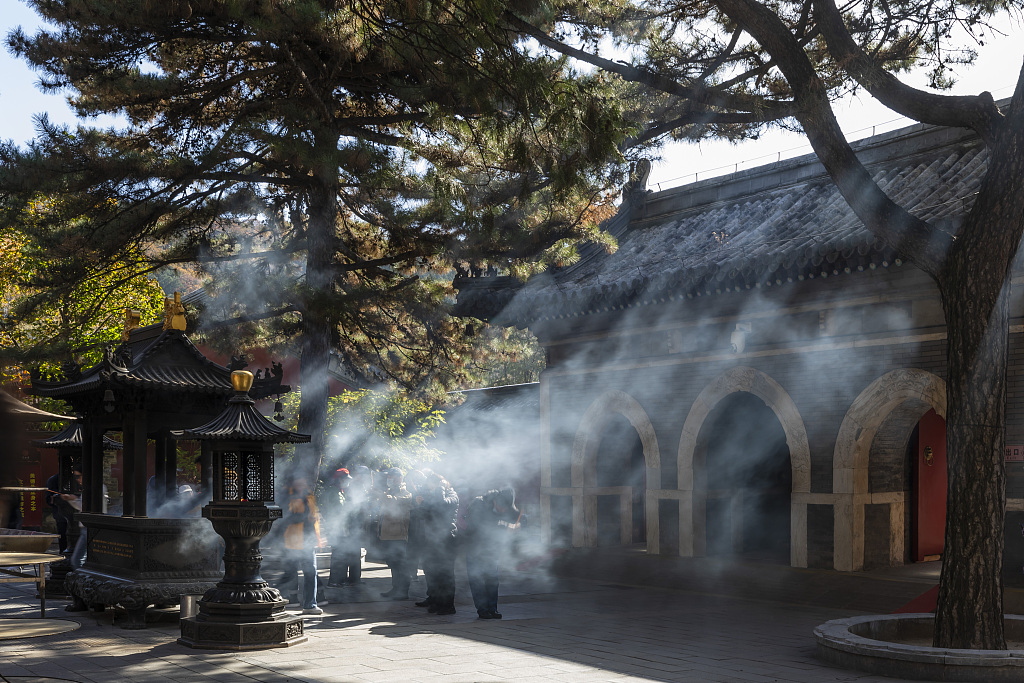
(240, 421)
(768, 226)
(517, 397)
(153, 359)
(71, 437)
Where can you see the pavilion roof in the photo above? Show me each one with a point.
(151, 359)
(240, 421)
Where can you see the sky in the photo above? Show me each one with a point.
(996, 71)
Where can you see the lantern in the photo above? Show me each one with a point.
(242, 612)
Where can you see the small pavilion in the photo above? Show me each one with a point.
(154, 382)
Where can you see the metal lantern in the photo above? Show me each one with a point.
(242, 612)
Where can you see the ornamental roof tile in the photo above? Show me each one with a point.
(72, 438)
(763, 227)
(155, 360)
(240, 421)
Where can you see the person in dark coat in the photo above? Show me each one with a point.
(416, 546)
(489, 520)
(440, 516)
(347, 536)
(52, 496)
(393, 532)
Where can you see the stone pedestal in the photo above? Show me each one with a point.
(242, 612)
(242, 627)
(137, 561)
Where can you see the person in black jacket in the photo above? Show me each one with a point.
(347, 535)
(416, 547)
(489, 520)
(440, 508)
(52, 498)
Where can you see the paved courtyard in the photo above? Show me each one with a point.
(565, 630)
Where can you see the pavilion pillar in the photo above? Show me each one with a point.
(86, 466)
(160, 472)
(138, 454)
(128, 468)
(170, 466)
(94, 439)
(206, 466)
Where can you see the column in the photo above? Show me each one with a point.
(206, 467)
(128, 467)
(95, 480)
(170, 465)
(160, 471)
(139, 453)
(87, 458)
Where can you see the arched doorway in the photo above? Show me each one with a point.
(620, 484)
(692, 506)
(613, 424)
(881, 472)
(743, 465)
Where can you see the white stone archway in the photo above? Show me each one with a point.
(583, 471)
(691, 502)
(853, 446)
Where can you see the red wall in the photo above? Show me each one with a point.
(33, 469)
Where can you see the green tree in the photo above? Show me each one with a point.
(66, 323)
(730, 68)
(378, 428)
(367, 144)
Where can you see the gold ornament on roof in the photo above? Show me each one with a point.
(174, 313)
(241, 381)
(132, 321)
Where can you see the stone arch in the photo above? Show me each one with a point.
(751, 380)
(583, 470)
(850, 459)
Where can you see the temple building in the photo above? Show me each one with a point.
(752, 373)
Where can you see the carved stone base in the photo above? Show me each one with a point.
(280, 630)
(93, 590)
(55, 581)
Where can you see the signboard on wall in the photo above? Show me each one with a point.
(1013, 453)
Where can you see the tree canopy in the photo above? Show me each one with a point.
(345, 155)
(40, 328)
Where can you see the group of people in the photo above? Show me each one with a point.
(412, 521)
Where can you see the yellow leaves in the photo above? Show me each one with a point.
(600, 211)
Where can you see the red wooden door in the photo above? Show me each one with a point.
(930, 488)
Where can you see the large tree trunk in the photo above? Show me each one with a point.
(316, 327)
(975, 288)
(970, 608)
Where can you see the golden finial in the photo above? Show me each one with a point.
(132, 321)
(241, 381)
(174, 313)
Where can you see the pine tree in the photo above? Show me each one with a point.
(348, 153)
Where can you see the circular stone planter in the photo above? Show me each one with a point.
(898, 645)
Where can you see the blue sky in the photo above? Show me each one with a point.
(996, 71)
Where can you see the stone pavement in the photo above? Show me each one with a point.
(569, 630)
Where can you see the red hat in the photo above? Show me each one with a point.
(342, 473)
